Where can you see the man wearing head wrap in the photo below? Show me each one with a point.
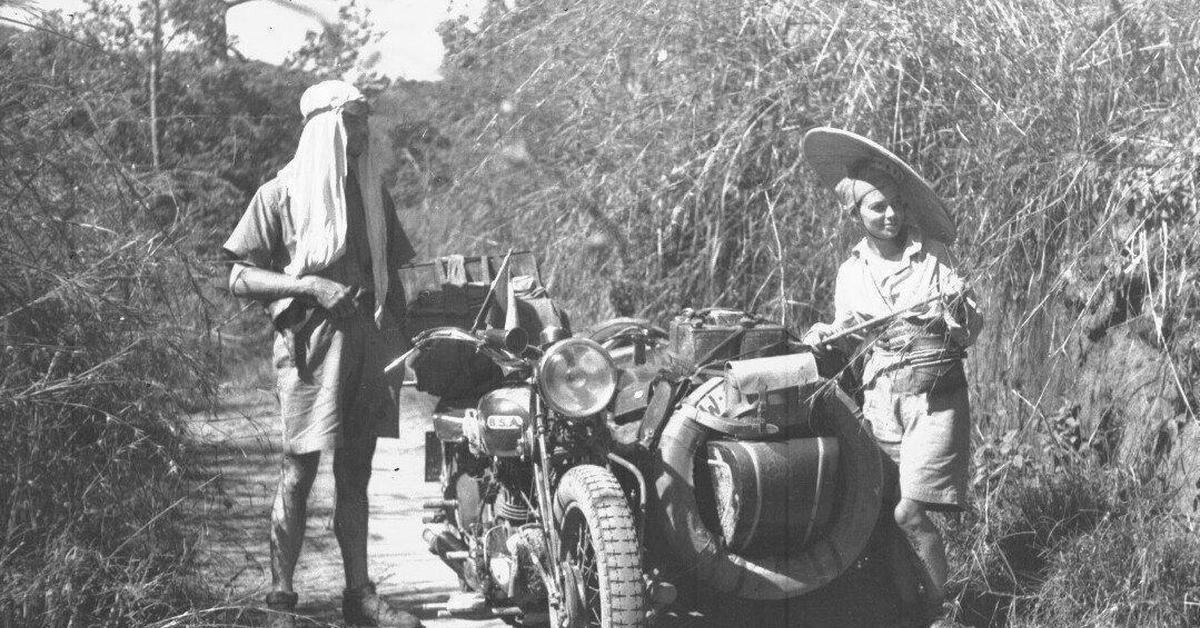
(315, 246)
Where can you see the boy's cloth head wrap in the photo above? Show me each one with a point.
(316, 179)
(860, 181)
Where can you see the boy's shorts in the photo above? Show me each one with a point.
(928, 437)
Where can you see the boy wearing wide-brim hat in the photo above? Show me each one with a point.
(914, 388)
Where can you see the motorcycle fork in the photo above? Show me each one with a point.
(541, 474)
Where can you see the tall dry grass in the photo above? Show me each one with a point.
(663, 137)
(649, 152)
(1075, 546)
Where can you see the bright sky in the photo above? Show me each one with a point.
(410, 47)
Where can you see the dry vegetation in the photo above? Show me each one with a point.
(100, 343)
(649, 151)
(108, 322)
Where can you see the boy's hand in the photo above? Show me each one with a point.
(817, 334)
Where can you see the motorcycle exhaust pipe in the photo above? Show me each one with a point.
(444, 545)
(512, 337)
(514, 340)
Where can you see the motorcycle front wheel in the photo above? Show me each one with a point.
(601, 561)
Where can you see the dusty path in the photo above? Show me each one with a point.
(241, 445)
(240, 448)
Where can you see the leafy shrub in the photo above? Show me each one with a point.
(107, 315)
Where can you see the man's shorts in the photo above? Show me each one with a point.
(928, 437)
(331, 383)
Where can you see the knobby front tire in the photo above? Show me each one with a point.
(601, 557)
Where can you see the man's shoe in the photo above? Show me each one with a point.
(281, 609)
(363, 607)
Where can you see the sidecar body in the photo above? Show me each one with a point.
(762, 481)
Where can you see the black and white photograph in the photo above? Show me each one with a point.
(599, 313)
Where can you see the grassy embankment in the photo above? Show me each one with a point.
(101, 347)
(649, 152)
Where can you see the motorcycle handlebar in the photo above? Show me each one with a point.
(512, 340)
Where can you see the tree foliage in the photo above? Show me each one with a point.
(336, 52)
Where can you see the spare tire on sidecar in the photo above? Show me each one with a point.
(763, 481)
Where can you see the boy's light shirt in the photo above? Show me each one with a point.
(869, 286)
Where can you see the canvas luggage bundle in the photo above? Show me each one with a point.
(450, 292)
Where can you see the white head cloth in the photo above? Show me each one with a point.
(316, 179)
(863, 180)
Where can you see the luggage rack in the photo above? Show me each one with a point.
(449, 291)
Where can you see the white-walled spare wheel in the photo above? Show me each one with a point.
(677, 520)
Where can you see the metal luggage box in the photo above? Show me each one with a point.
(718, 335)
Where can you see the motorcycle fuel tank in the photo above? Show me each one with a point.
(497, 427)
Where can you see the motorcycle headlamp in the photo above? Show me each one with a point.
(577, 377)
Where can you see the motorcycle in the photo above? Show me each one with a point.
(593, 480)
(533, 519)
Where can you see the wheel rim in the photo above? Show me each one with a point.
(581, 578)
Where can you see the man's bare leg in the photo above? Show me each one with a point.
(925, 539)
(361, 604)
(288, 515)
(351, 475)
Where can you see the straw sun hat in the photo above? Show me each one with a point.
(836, 154)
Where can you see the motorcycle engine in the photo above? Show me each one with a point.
(499, 425)
(515, 560)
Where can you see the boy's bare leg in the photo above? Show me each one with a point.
(925, 539)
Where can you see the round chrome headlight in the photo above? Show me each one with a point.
(577, 378)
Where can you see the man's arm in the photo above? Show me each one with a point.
(267, 285)
(254, 249)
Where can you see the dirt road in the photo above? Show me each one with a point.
(241, 445)
(240, 449)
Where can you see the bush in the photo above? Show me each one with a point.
(1083, 546)
(107, 316)
(649, 152)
